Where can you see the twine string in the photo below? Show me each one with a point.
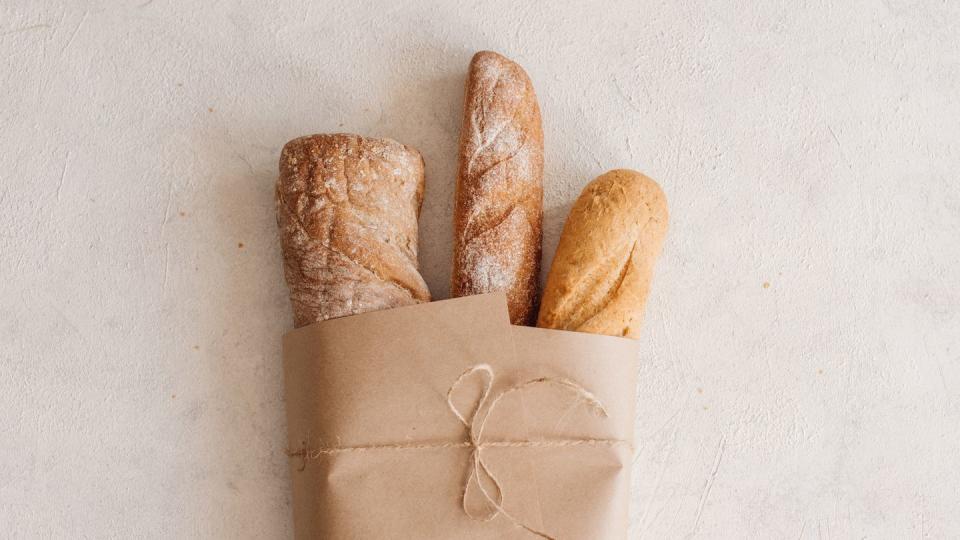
(479, 472)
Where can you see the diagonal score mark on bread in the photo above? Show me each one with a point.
(584, 311)
(618, 266)
(512, 155)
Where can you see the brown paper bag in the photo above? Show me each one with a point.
(377, 452)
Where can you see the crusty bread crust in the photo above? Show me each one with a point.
(347, 208)
(603, 267)
(499, 203)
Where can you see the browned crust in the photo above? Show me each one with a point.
(601, 273)
(499, 201)
(347, 209)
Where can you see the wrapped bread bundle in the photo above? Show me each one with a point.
(448, 419)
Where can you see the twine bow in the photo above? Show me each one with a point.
(479, 472)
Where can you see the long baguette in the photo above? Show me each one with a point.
(499, 202)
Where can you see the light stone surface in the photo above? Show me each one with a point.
(801, 366)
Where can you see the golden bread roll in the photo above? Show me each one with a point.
(601, 273)
(499, 202)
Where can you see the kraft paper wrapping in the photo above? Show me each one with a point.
(375, 386)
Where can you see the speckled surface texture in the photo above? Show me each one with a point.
(801, 366)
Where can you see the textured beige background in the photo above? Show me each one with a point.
(801, 372)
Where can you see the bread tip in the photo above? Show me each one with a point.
(481, 55)
(494, 57)
(642, 185)
(634, 175)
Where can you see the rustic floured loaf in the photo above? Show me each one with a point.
(347, 208)
(601, 273)
(499, 202)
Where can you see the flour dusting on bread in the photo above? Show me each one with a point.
(347, 208)
(499, 188)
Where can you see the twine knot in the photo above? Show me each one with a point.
(479, 471)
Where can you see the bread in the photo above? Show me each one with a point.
(601, 273)
(347, 208)
(499, 201)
